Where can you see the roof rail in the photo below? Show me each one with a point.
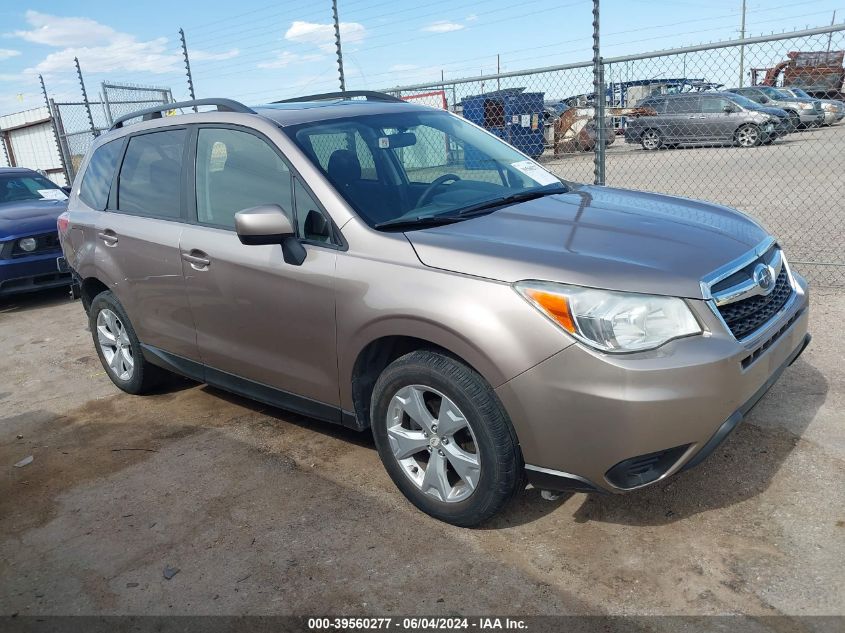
(369, 95)
(223, 105)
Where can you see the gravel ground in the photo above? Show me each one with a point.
(264, 512)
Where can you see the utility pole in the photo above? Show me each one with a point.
(598, 106)
(830, 35)
(94, 129)
(337, 44)
(55, 130)
(188, 67)
(742, 47)
(498, 72)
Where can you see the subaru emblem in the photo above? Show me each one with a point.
(764, 277)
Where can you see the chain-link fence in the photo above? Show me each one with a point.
(74, 126)
(773, 146)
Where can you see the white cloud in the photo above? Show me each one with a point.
(53, 30)
(443, 26)
(6, 53)
(286, 58)
(322, 35)
(102, 49)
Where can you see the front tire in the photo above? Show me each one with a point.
(118, 346)
(445, 439)
(748, 135)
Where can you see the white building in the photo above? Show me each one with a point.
(27, 140)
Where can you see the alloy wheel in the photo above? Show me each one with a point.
(748, 136)
(434, 443)
(651, 140)
(115, 345)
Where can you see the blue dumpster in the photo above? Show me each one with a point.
(512, 115)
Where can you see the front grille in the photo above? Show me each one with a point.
(45, 243)
(747, 315)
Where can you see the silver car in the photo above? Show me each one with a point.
(834, 111)
(398, 270)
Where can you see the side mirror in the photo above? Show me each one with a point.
(66, 190)
(728, 109)
(268, 224)
(764, 99)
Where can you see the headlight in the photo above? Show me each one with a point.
(805, 106)
(611, 321)
(829, 107)
(28, 244)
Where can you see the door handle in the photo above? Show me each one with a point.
(197, 259)
(108, 236)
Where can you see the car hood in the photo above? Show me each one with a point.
(595, 236)
(778, 112)
(29, 217)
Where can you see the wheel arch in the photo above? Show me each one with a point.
(374, 353)
(90, 288)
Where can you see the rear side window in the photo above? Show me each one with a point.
(682, 105)
(151, 176)
(97, 179)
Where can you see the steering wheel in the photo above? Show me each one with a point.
(425, 198)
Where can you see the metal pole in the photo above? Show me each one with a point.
(94, 129)
(830, 35)
(55, 130)
(188, 67)
(337, 44)
(598, 106)
(498, 72)
(742, 48)
(106, 103)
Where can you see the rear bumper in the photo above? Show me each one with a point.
(619, 422)
(29, 274)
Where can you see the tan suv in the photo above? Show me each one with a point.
(389, 266)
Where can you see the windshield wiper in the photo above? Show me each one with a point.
(417, 222)
(511, 199)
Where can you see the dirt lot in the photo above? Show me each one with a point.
(264, 512)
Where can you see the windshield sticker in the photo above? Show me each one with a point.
(383, 142)
(535, 172)
(52, 194)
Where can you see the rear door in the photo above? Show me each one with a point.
(683, 118)
(258, 317)
(137, 241)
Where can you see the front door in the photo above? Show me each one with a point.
(257, 317)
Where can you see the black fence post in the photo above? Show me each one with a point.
(598, 101)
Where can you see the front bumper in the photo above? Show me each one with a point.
(592, 421)
(810, 117)
(32, 273)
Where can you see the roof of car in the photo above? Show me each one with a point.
(296, 112)
(17, 170)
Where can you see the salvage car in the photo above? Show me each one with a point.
(487, 322)
(696, 119)
(804, 113)
(30, 254)
(834, 110)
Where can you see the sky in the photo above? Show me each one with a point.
(257, 51)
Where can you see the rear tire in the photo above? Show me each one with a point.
(460, 464)
(119, 348)
(651, 140)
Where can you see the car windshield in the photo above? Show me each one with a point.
(21, 187)
(420, 165)
(774, 94)
(800, 93)
(745, 102)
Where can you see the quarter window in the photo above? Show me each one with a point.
(235, 171)
(151, 176)
(97, 179)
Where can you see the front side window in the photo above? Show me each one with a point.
(235, 171)
(151, 175)
(426, 164)
(97, 179)
(710, 105)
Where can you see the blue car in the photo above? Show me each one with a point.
(30, 253)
